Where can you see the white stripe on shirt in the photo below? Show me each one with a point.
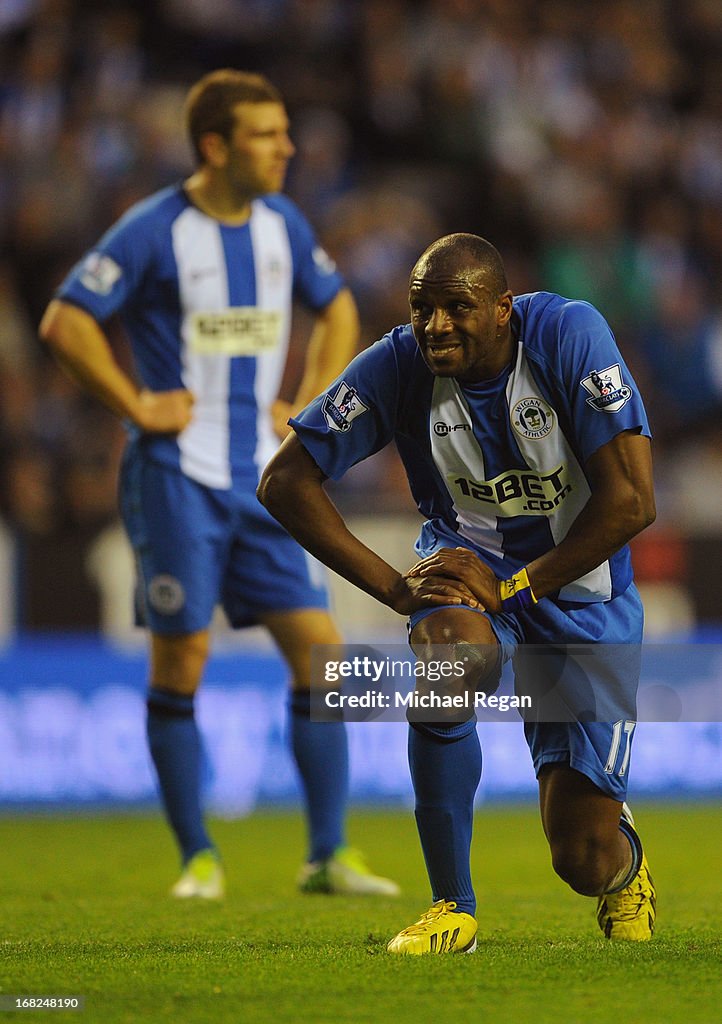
(203, 285)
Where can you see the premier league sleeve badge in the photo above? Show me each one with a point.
(342, 407)
(608, 391)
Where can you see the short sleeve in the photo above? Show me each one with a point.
(604, 398)
(107, 276)
(357, 415)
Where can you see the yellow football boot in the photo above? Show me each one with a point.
(629, 914)
(346, 873)
(202, 878)
(439, 930)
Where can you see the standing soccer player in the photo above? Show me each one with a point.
(203, 274)
(527, 449)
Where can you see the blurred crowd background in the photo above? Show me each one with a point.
(583, 138)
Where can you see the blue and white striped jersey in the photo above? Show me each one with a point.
(497, 465)
(207, 306)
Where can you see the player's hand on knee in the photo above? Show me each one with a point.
(462, 566)
(164, 412)
(419, 592)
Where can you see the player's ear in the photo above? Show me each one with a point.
(214, 149)
(504, 306)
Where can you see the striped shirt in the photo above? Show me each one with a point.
(497, 465)
(207, 306)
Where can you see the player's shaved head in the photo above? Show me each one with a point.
(462, 252)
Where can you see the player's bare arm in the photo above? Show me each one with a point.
(292, 489)
(81, 347)
(621, 506)
(332, 345)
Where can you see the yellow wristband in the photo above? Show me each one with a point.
(516, 592)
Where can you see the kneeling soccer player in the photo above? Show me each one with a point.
(527, 450)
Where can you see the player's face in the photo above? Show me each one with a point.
(259, 149)
(460, 327)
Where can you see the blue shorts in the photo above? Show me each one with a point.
(197, 547)
(597, 693)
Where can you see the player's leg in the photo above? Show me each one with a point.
(174, 741)
(272, 581)
(581, 823)
(445, 764)
(177, 589)
(595, 848)
(320, 750)
(583, 763)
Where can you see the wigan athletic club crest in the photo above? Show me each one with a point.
(166, 594)
(532, 418)
(609, 393)
(342, 407)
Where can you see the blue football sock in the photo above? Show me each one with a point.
(321, 753)
(445, 767)
(176, 749)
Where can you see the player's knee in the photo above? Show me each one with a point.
(445, 691)
(482, 664)
(466, 645)
(177, 661)
(583, 864)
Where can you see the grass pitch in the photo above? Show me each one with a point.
(84, 912)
